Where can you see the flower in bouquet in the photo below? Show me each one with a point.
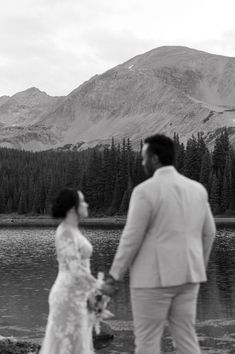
(97, 305)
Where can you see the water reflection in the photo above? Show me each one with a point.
(28, 268)
(217, 298)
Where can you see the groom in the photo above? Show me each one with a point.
(166, 244)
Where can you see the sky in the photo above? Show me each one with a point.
(56, 45)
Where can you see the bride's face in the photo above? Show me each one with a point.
(83, 206)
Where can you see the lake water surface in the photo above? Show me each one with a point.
(28, 268)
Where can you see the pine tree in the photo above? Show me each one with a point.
(221, 149)
(126, 197)
(30, 196)
(226, 190)
(94, 192)
(42, 198)
(219, 155)
(201, 146)
(215, 195)
(39, 198)
(108, 175)
(180, 158)
(232, 192)
(177, 148)
(138, 170)
(117, 196)
(84, 184)
(2, 200)
(205, 173)
(123, 167)
(192, 164)
(35, 207)
(22, 207)
(9, 205)
(15, 199)
(73, 172)
(51, 195)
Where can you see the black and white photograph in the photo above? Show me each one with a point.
(117, 177)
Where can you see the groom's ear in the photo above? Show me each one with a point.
(155, 160)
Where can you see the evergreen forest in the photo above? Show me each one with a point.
(29, 181)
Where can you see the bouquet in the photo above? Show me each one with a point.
(97, 305)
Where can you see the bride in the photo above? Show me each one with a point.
(68, 329)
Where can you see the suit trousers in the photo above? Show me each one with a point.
(153, 307)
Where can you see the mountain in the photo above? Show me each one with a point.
(25, 107)
(3, 99)
(19, 113)
(166, 90)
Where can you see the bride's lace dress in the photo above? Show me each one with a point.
(68, 329)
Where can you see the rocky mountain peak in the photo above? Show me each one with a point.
(31, 96)
(25, 108)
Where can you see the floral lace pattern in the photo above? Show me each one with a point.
(69, 330)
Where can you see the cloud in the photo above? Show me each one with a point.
(116, 46)
(57, 44)
(221, 45)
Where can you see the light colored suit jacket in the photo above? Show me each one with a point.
(168, 234)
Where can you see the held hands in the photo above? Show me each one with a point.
(110, 286)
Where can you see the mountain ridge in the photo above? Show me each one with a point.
(166, 90)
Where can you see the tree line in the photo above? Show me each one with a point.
(29, 181)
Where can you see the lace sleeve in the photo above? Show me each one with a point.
(70, 259)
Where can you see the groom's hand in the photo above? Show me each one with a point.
(110, 286)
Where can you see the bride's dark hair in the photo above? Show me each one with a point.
(66, 200)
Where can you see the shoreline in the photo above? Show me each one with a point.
(46, 221)
(91, 222)
(215, 337)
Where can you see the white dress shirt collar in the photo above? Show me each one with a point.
(165, 169)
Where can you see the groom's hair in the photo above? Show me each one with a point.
(66, 200)
(163, 147)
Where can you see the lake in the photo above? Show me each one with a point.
(28, 268)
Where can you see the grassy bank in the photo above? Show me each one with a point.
(111, 222)
(15, 220)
